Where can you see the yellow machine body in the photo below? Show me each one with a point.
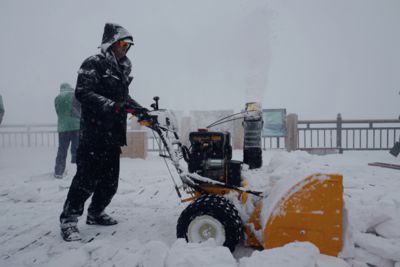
(311, 210)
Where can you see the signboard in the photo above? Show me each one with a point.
(274, 122)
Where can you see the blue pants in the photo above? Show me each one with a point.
(64, 139)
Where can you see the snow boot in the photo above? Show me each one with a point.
(61, 176)
(70, 232)
(101, 219)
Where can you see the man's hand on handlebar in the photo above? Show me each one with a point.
(141, 113)
(126, 107)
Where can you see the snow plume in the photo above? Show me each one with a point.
(255, 47)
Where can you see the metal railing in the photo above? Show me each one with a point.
(273, 143)
(41, 135)
(339, 134)
(21, 135)
(336, 134)
(154, 143)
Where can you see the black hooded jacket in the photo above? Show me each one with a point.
(102, 82)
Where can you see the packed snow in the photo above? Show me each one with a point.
(148, 207)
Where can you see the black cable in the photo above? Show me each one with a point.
(212, 124)
(226, 121)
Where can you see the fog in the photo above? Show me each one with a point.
(315, 58)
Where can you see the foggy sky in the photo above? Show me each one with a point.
(315, 58)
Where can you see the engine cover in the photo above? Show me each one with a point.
(210, 156)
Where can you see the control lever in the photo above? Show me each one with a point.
(155, 105)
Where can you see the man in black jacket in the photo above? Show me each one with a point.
(102, 90)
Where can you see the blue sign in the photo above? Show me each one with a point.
(274, 122)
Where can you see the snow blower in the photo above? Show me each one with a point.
(305, 209)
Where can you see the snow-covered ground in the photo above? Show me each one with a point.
(147, 208)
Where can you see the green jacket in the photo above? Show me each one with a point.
(68, 109)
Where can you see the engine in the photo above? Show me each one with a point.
(210, 156)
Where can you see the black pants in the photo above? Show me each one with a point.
(64, 139)
(97, 174)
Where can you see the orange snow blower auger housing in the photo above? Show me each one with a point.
(310, 210)
(223, 208)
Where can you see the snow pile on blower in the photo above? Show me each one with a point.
(370, 215)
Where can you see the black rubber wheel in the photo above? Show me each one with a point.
(211, 216)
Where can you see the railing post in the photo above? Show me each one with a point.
(339, 133)
(29, 135)
(291, 139)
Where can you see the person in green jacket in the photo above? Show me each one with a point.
(1, 109)
(68, 124)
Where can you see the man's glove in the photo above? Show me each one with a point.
(124, 107)
(137, 111)
(142, 114)
(120, 107)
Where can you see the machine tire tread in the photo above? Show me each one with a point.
(219, 208)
